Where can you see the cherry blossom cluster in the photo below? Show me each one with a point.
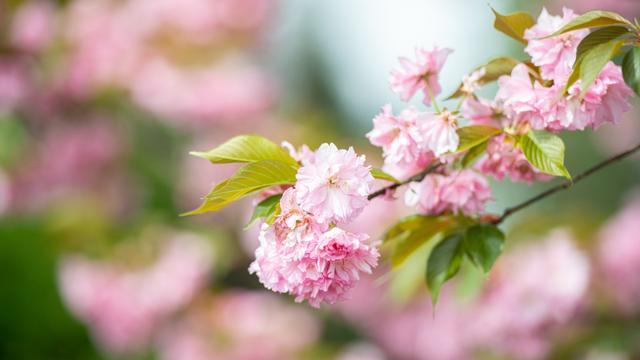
(534, 96)
(304, 252)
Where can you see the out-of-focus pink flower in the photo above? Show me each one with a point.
(532, 292)
(33, 26)
(554, 56)
(419, 74)
(66, 159)
(461, 192)
(439, 132)
(334, 184)
(302, 257)
(302, 155)
(14, 84)
(240, 325)
(502, 159)
(482, 112)
(220, 93)
(124, 308)
(361, 351)
(401, 140)
(619, 257)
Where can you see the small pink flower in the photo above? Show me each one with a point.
(302, 155)
(471, 82)
(504, 159)
(401, 141)
(461, 192)
(421, 74)
(520, 97)
(439, 132)
(554, 56)
(333, 186)
(482, 112)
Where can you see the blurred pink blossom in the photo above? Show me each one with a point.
(241, 325)
(619, 256)
(482, 112)
(502, 159)
(33, 25)
(67, 158)
(14, 84)
(439, 132)
(531, 294)
(124, 308)
(461, 192)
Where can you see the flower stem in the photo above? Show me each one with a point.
(433, 98)
(415, 178)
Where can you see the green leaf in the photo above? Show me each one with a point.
(266, 209)
(545, 151)
(595, 59)
(473, 135)
(631, 69)
(483, 243)
(444, 262)
(473, 154)
(410, 233)
(246, 149)
(598, 37)
(593, 19)
(381, 175)
(249, 178)
(492, 71)
(513, 25)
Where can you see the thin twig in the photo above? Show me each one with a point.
(417, 178)
(565, 185)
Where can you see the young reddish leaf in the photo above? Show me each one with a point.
(513, 25)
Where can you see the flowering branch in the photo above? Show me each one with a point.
(415, 178)
(565, 184)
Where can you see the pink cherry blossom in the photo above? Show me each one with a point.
(33, 25)
(531, 294)
(471, 82)
(619, 257)
(306, 259)
(333, 186)
(520, 97)
(461, 192)
(419, 74)
(439, 132)
(482, 112)
(554, 56)
(14, 84)
(240, 325)
(124, 308)
(301, 155)
(400, 138)
(502, 159)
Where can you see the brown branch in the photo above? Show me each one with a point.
(417, 177)
(565, 184)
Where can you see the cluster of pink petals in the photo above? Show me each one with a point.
(307, 258)
(333, 184)
(419, 74)
(532, 293)
(482, 112)
(124, 307)
(619, 257)
(240, 325)
(460, 192)
(554, 56)
(502, 159)
(14, 84)
(33, 26)
(439, 132)
(401, 140)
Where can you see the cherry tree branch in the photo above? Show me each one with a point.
(565, 185)
(417, 178)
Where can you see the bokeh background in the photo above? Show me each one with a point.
(100, 103)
